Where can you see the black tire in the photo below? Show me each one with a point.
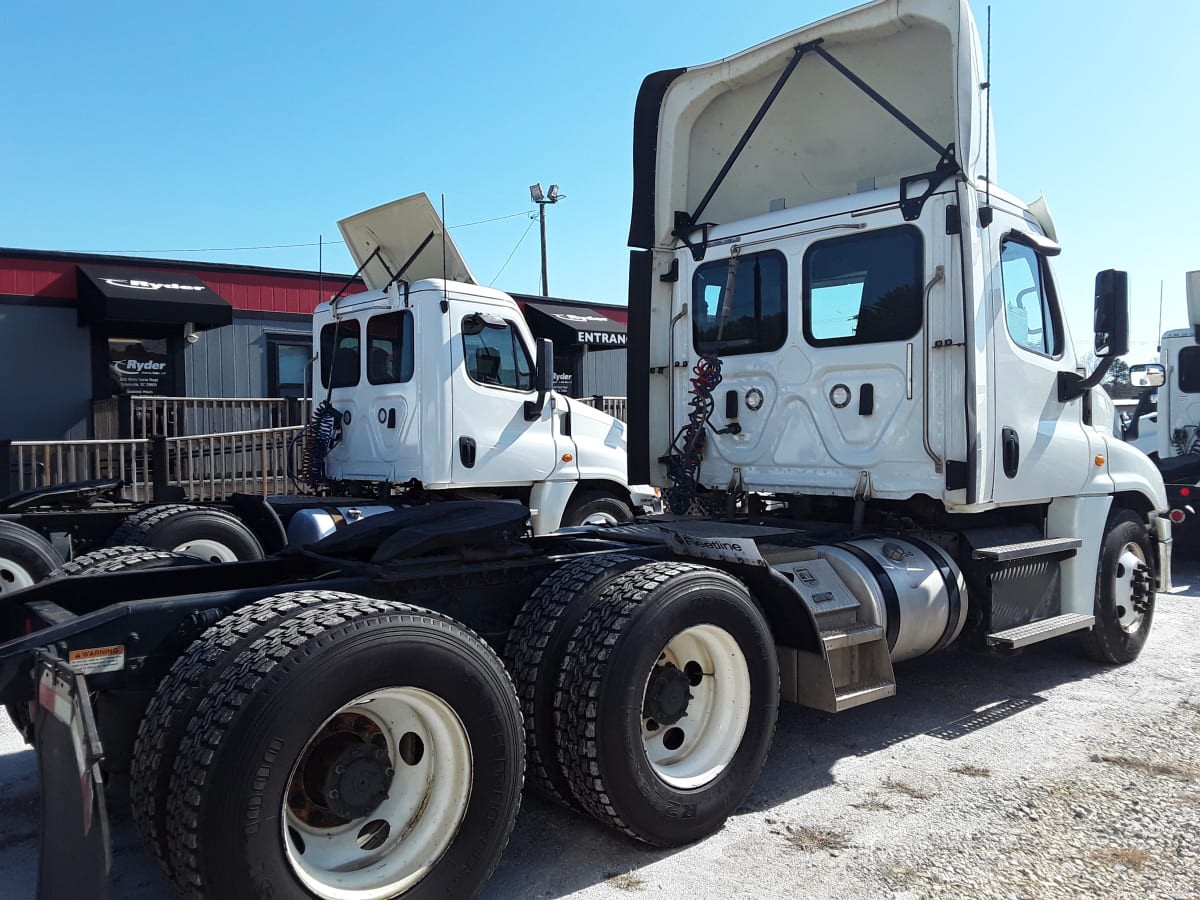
(606, 679)
(535, 648)
(609, 507)
(174, 703)
(25, 557)
(1109, 640)
(147, 559)
(83, 565)
(210, 533)
(234, 770)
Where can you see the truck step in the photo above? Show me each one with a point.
(849, 635)
(849, 696)
(828, 602)
(1024, 635)
(1030, 549)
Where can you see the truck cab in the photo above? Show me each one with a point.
(442, 391)
(837, 306)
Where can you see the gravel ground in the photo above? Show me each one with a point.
(1040, 776)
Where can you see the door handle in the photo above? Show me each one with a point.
(466, 451)
(1010, 451)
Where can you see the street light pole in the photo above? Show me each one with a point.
(541, 199)
(542, 223)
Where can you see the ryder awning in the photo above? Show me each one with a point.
(566, 323)
(129, 294)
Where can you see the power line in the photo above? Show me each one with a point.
(524, 212)
(514, 251)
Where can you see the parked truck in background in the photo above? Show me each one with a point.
(1166, 422)
(845, 342)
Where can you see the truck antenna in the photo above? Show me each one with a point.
(987, 125)
(445, 298)
(1160, 296)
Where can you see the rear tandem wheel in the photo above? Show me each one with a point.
(671, 691)
(360, 749)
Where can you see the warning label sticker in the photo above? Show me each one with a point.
(98, 659)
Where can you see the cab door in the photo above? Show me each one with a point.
(494, 443)
(1039, 445)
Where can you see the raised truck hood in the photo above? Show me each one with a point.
(397, 230)
(822, 137)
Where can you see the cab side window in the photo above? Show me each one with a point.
(864, 288)
(1189, 370)
(1028, 300)
(496, 356)
(340, 357)
(754, 318)
(390, 348)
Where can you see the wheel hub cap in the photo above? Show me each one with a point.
(667, 695)
(358, 781)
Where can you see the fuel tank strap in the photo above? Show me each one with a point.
(954, 597)
(891, 600)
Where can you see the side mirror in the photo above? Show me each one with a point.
(543, 379)
(1111, 317)
(1147, 375)
(477, 321)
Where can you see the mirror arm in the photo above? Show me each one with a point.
(1072, 385)
(533, 408)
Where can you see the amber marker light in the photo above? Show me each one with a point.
(1099, 460)
(567, 457)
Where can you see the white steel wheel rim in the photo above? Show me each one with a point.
(14, 576)
(426, 803)
(600, 518)
(1128, 563)
(213, 551)
(695, 750)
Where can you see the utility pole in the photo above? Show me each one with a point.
(542, 199)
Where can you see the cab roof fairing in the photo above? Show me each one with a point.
(822, 137)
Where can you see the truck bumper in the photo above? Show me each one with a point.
(1163, 540)
(75, 858)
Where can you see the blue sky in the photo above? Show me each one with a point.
(164, 127)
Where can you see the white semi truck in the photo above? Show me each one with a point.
(1166, 422)
(434, 379)
(845, 341)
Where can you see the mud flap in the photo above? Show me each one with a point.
(75, 859)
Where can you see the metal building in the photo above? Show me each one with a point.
(77, 330)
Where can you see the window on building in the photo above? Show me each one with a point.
(497, 356)
(287, 365)
(1028, 300)
(864, 288)
(390, 348)
(756, 318)
(340, 354)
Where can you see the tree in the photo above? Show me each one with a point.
(1118, 373)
